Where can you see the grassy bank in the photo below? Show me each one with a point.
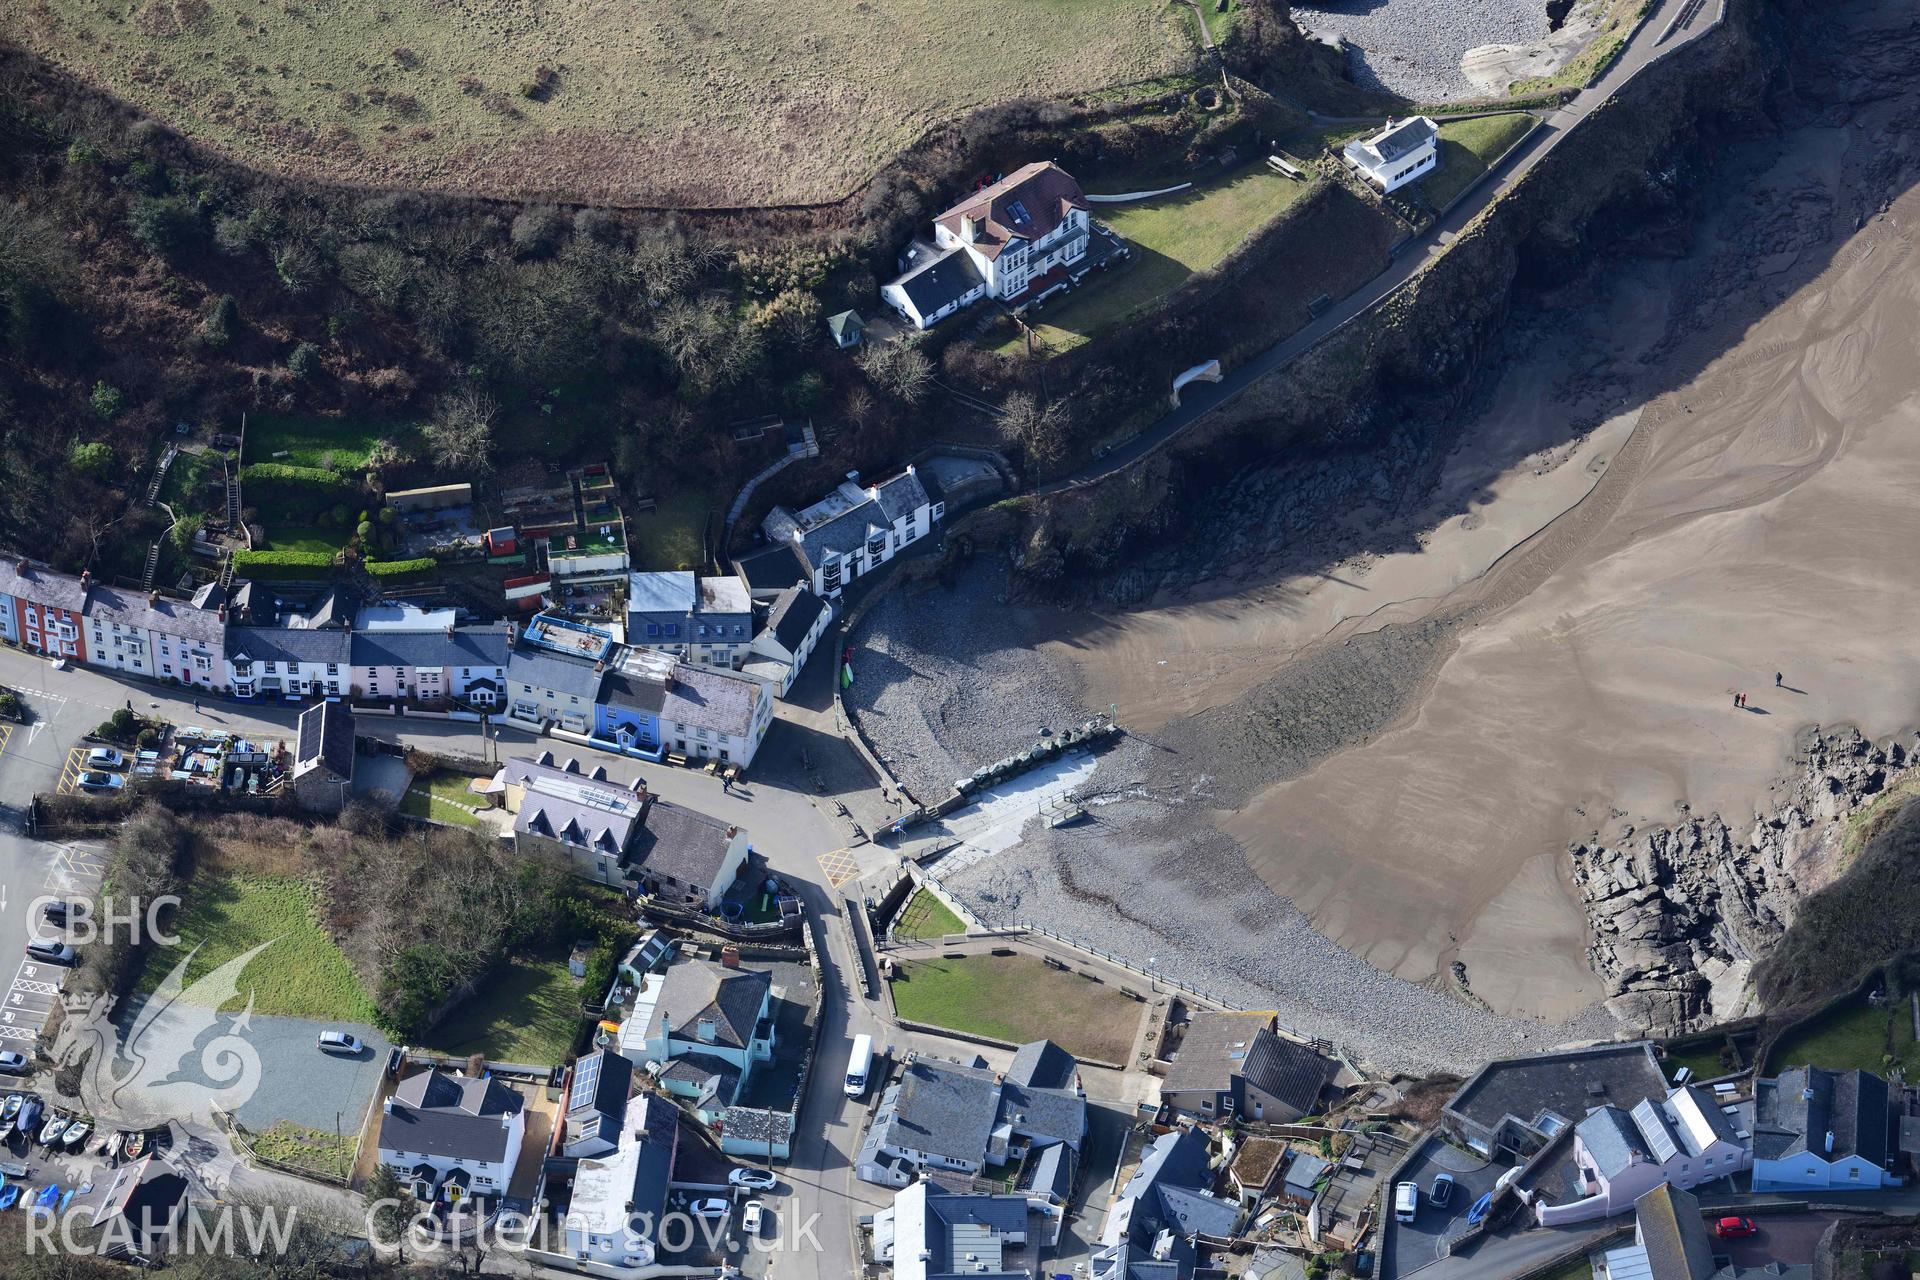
(527, 1010)
(1468, 148)
(926, 918)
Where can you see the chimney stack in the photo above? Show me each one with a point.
(730, 957)
(966, 227)
(732, 832)
(153, 599)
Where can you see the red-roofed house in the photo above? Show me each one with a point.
(997, 243)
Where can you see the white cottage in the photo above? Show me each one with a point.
(450, 1136)
(1402, 152)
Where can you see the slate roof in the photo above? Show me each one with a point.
(1397, 139)
(572, 807)
(944, 1110)
(775, 567)
(1613, 1140)
(696, 991)
(712, 698)
(142, 1195)
(941, 282)
(792, 616)
(1049, 1171)
(1287, 1071)
(1566, 1084)
(1214, 1050)
(156, 613)
(1026, 204)
(1306, 1170)
(674, 841)
(841, 323)
(289, 644)
(1042, 1064)
(717, 1079)
(546, 670)
(466, 647)
(38, 585)
(437, 1113)
(1851, 1105)
(1673, 1234)
(900, 496)
(325, 740)
(1171, 1189)
(1050, 1113)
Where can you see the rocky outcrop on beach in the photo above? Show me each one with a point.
(1680, 914)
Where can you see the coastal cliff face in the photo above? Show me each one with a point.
(1681, 914)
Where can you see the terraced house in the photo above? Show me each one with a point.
(853, 530)
(140, 633)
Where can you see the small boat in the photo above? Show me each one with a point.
(48, 1194)
(9, 1195)
(51, 1131)
(66, 1198)
(135, 1146)
(75, 1138)
(10, 1111)
(29, 1116)
(114, 1143)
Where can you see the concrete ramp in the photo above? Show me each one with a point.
(1208, 372)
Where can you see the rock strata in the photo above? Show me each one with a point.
(1680, 914)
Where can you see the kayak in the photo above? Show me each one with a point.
(48, 1194)
(9, 1196)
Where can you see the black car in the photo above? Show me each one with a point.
(57, 911)
(1363, 1263)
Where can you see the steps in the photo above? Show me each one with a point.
(153, 565)
(160, 474)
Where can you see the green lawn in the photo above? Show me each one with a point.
(1172, 238)
(1702, 1058)
(1468, 148)
(311, 442)
(300, 974)
(1572, 1269)
(1017, 998)
(1854, 1035)
(293, 537)
(184, 488)
(323, 1153)
(669, 537)
(925, 917)
(1221, 20)
(527, 1011)
(420, 804)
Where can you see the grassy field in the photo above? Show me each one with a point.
(309, 1149)
(1468, 149)
(527, 1011)
(754, 102)
(1172, 238)
(301, 974)
(926, 917)
(669, 536)
(1220, 18)
(1017, 998)
(313, 442)
(1857, 1035)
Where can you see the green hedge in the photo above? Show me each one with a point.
(310, 489)
(400, 568)
(283, 564)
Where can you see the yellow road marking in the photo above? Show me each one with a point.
(70, 772)
(6, 736)
(838, 866)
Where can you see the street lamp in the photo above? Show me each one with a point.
(1152, 981)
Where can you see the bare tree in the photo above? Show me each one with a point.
(901, 370)
(1040, 429)
(460, 436)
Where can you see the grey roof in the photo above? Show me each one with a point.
(717, 1079)
(1171, 1190)
(943, 1110)
(940, 282)
(1851, 1105)
(1213, 1051)
(712, 698)
(437, 1113)
(544, 669)
(338, 608)
(463, 647)
(674, 841)
(38, 585)
(609, 1190)
(697, 991)
(1045, 1113)
(1397, 140)
(843, 534)
(1178, 1158)
(900, 496)
(1042, 1064)
(774, 567)
(663, 591)
(1567, 1084)
(325, 740)
(603, 1080)
(631, 692)
(966, 1233)
(792, 616)
(1049, 1170)
(289, 644)
(1287, 1071)
(840, 323)
(1306, 1169)
(154, 612)
(574, 808)
(1612, 1139)
(725, 594)
(1673, 1234)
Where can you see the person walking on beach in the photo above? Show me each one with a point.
(1736, 699)
(1776, 679)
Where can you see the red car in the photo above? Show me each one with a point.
(1735, 1228)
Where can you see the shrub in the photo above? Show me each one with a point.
(306, 489)
(283, 565)
(400, 568)
(536, 232)
(93, 459)
(304, 362)
(216, 327)
(107, 401)
(10, 708)
(166, 225)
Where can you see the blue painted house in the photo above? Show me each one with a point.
(1831, 1130)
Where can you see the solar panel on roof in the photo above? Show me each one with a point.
(1018, 210)
(586, 1082)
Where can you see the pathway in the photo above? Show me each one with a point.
(1668, 26)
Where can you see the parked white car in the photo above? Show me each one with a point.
(105, 758)
(753, 1179)
(710, 1208)
(750, 1220)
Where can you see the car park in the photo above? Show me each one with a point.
(1736, 1228)
(105, 758)
(94, 780)
(340, 1042)
(57, 911)
(753, 1179)
(52, 952)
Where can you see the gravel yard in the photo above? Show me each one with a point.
(1414, 47)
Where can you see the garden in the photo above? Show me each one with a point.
(926, 919)
(1468, 148)
(526, 1011)
(1017, 998)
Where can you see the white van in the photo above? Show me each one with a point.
(859, 1063)
(1406, 1201)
